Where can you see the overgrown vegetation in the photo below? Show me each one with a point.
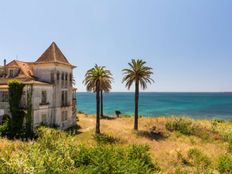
(57, 152)
(225, 164)
(14, 127)
(200, 160)
(29, 121)
(157, 148)
(187, 126)
(196, 159)
(17, 115)
(105, 139)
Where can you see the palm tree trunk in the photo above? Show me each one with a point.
(102, 104)
(136, 105)
(98, 107)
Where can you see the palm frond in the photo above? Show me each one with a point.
(137, 71)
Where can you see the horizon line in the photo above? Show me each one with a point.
(163, 91)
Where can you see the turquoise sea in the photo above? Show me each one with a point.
(196, 105)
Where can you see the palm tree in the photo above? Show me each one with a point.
(140, 74)
(94, 79)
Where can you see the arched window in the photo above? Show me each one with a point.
(58, 76)
(62, 76)
(66, 76)
(52, 77)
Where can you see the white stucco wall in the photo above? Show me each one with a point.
(55, 107)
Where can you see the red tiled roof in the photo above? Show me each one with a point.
(52, 54)
(25, 67)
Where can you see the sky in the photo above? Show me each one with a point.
(188, 43)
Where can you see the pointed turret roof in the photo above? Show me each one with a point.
(52, 54)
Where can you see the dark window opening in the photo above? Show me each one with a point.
(52, 78)
(62, 76)
(11, 73)
(44, 98)
(4, 96)
(66, 76)
(64, 98)
(58, 76)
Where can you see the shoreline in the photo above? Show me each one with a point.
(160, 116)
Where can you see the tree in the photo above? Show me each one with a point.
(95, 79)
(139, 74)
(17, 115)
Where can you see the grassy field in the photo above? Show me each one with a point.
(170, 149)
(175, 145)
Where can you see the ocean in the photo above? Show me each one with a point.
(153, 104)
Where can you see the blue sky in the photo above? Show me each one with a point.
(187, 42)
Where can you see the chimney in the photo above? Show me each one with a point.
(4, 65)
(4, 62)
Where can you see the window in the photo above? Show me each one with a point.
(58, 76)
(66, 76)
(62, 76)
(44, 118)
(11, 73)
(52, 78)
(70, 77)
(64, 98)
(44, 98)
(64, 116)
(4, 96)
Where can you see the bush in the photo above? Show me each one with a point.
(227, 134)
(111, 159)
(4, 128)
(105, 139)
(184, 126)
(225, 164)
(198, 159)
(118, 113)
(189, 127)
(230, 145)
(57, 152)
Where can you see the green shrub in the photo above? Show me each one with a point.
(195, 160)
(199, 159)
(189, 127)
(4, 128)
(184, 126)
(118, 113)
(57, 152)
(227, 134)
(225, 164)
(114, 159)
(17, 115)
(230, 145)
(105, 139)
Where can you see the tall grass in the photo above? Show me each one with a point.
(57, 152)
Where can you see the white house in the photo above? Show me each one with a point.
(50, 81)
